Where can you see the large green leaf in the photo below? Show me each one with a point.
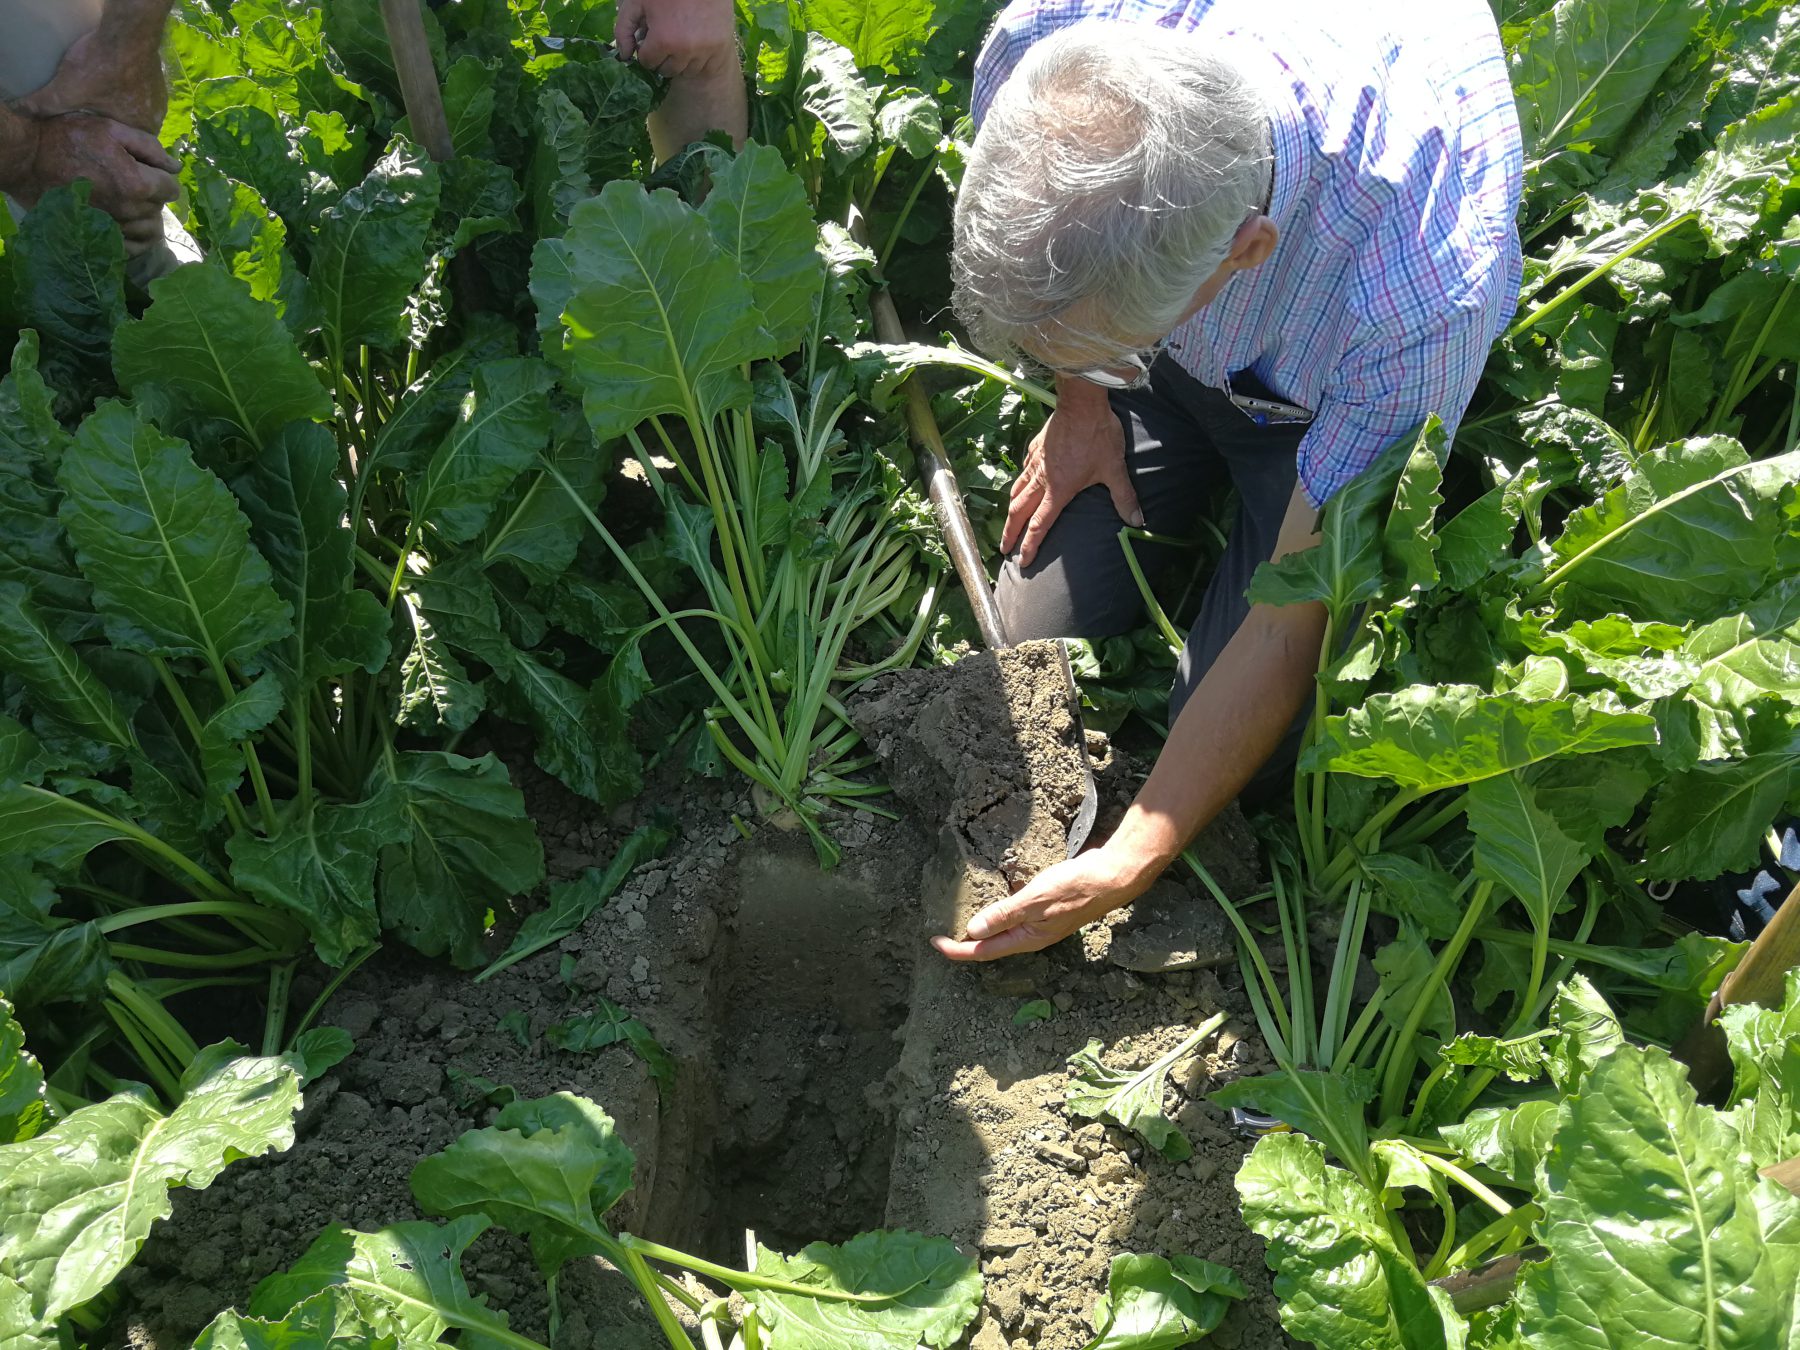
(435, 691)
(246, 143)
(556, 178)
(217, 352)
(20, 1329)
(24, 1107)
(241, 232)
(69, 272)
(876, 32)
(928, 1291)
(329, 1320)
(1584, 68)
(1153, 1304)
(165, 546)
(468, 848)
(38, 825)
(834, 91)
(655, 317)
(34, 548)
(1341, 1279)
(61, 684)
(297, 509)
(503, 424)
(319, 866)
(428, 409)
(405, 1280)
(1330, 1107)
(547, 1170)
(1428, 737)
(1520, 845)
(758, 212)
(369, 255)
(1756, 654)
(81, 1198)
(579, 735)
(1765, 1050)
(1713, 817)
(1658, 1228)
(1698, 528)
(1512, 1140)
(538, 528)
(1723, 195)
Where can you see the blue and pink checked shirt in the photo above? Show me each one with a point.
(1397, 172)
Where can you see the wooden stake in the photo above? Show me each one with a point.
(405, 24)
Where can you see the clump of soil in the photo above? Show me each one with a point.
(985, 1152)
(833, 1073)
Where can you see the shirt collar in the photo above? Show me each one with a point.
(1287, 140)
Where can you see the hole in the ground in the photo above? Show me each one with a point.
(806, 1035)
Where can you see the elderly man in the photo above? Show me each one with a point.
(1255, 242)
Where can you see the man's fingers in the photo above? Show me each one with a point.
(1041, 521)
(1004, 914)
(625, 28)
(142, 229)
(1124, 495)
(1009, 943)
(1018, 513)
(146, 149)
(653, 51)
(157, 187)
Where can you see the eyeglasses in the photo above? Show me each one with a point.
(1131, 372)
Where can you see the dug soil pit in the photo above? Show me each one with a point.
(833, 1073)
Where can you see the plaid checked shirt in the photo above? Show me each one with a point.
(1397, 172)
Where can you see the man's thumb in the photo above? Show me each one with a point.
(1124, 497)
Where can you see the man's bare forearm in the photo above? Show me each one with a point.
(18, 150)
(1230, 726)
(134, 26)
(696, 105)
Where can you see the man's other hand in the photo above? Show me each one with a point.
(679, 39)
(1082, 444)
(95, 77)
(1056, 902)
(133, 176)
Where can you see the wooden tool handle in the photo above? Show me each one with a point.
(405, 24)
(934, 466)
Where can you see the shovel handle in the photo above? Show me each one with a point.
(1758, 978)
(934, 466)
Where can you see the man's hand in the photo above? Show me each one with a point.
(98, 76)
(679, 39)
(1082, 444)
(133, 176)
(1056, 902)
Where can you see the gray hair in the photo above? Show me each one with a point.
(1108, 180)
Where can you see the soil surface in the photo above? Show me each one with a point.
(833, 1073)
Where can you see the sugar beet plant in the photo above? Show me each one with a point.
(659, 311)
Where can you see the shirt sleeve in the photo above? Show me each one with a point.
(1007, 40)
(1383, 390)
